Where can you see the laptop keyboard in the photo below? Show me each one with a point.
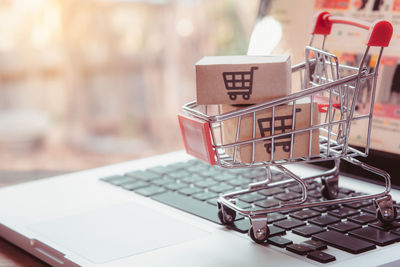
(194, 187)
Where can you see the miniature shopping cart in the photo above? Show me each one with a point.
(239, 83)
(336, 89)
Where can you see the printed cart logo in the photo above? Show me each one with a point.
(282, 124)
(239, 83)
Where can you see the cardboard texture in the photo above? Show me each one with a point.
(242, 79)
(283, 118)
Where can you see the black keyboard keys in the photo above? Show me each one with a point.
(274, 217)
(344, 227)
(376, 236)
(321, 256)
(134, 185)
(305, 214)
(343, 212)
(324, 220)
(299, 249)
(316, 245)
(150, 190)
(363, 218)
(341, 241)
(289, 223)
(308, 230)
(279, 241)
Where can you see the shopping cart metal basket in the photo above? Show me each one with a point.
(336, 88)
(239, 83)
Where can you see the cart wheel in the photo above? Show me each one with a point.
(261, 238)
(232, 96)
(229, 217)
(246, 96)
(386, 220)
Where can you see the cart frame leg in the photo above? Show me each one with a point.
(331, 183)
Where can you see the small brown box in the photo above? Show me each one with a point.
(283, 120)
(242, 79)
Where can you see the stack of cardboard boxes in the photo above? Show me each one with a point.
(235, 82)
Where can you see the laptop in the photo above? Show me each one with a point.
(162, 211)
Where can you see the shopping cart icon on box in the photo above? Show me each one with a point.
(268, 125)
(239, 83)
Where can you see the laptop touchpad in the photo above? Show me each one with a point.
(117, 232)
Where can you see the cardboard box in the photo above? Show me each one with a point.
(283, 119)
(242, 79)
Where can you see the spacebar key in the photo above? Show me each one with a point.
(344, 242)
(193, 206)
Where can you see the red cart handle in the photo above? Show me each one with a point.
(380, 31)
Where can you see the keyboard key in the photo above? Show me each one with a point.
(296, 189)
(344, 227)
(289, 211)
(162, 181)
(175, 186)
(179, 174)
(316, 245)
(241, 226)
(222, 177)
(213, 201)
(324, 220)
(385, 227)
(210, 172)
(221, 188)
(161, 169)
(143, 175)
(343, 212)
(363, 218)
(205, 195)
(243, 205)
(269, 203)
(192, 179)
(238, 182)
(314, 194)
(120, 180)
(274, 217)
(198, 168)
(299, 249)
(289, 224)
(190, 205)
(135, 185)
(308, 230)
(273, 231)
(359, 204)
(395, 231)
(376, 236)
(279, 241)
(150, 190)
(341, 241)
(320, 209)
(205, 183)
(287, 196)
(253, 197)
(190, 190)
(305, 214)
(370, 209)
(271, 191)
(321, 256)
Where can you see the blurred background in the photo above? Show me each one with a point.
(95, 82)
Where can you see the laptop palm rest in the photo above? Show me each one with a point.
(116, 232)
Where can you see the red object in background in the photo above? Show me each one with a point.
(323, 103)
(197, 138)
(380, 31)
